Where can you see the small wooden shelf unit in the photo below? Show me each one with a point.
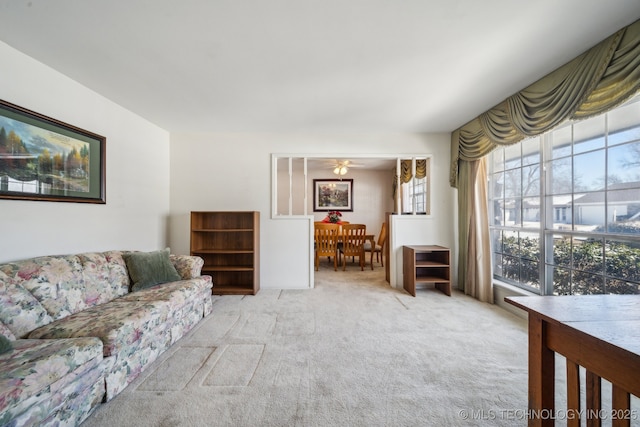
(229, 243)
(426, 265)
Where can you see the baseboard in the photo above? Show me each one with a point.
(502, 290)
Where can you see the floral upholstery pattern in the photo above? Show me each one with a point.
(105, 274)
(67, 284)
(6, 332)
(188, 267)
(129, 364)
(191, 317)
(118, 324)
(35, 370)
(81, 336)
(56, 281)
(80, 402)
(20, 311)
(176, 293)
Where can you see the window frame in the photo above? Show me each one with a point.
(559, 213)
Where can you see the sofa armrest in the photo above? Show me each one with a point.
(188, 266)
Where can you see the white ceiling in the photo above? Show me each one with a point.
(308, 65)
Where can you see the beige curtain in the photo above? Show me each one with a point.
(595, 82)
(474, 264)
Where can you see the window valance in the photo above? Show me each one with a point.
(596, 81)
(406, 174)
(405, 170)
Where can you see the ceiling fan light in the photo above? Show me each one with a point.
(340, 170)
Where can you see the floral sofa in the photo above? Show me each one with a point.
(77, 331)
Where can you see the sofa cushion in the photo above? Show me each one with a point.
(105, 276)
(36, 369)
(67, 284)
(4, 330)
(176, 293)
(55, 281)
(118, 324)
(187, 266)
(150, 268)
(5, 344)
(20, 311)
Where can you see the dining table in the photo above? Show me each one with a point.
(370, 237)
(601, 334)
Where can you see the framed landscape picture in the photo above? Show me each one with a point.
(332, 194)
(44, 159)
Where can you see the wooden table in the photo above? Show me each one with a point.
(598, 332)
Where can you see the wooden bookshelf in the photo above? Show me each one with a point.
(428, 265)
(229, 243)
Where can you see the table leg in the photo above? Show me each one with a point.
(541, 375)
(573, 394)
(594, 399)
(620, 407)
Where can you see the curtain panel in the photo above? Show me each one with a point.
(474, 263)
(598, 80)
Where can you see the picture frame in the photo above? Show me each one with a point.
(332, 195)
(42, 158)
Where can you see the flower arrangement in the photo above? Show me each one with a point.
(334, 216)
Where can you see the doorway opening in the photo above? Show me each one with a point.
(381, 184)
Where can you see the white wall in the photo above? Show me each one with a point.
(372, 195)
(137, 171)
(233, 172)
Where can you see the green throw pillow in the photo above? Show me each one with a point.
(148, 269)
(5, 344)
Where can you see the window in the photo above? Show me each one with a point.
(414, 196)
(414, 186)
(515, 204)
(571, 226)
(419, 196)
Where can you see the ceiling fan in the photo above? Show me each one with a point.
(341, 167)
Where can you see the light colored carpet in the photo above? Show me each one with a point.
(351, 352)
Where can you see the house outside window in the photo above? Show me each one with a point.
(565, 207)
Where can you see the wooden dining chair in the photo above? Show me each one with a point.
(378, 249)
(326, 242)
(352, 244)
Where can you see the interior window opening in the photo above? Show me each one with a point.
(292, 185)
